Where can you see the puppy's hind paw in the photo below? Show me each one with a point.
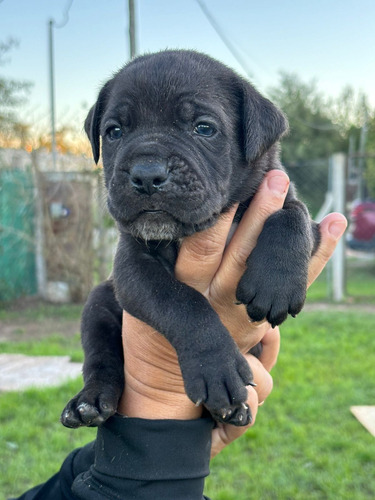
(89, 410)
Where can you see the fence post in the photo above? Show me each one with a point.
(40, 265)
(338, 163)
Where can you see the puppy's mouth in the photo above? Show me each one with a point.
(156, 225)
(154, 212)
(153, 224)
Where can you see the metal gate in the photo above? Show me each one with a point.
(17, 246)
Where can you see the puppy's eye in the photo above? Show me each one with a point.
(204, 129)
(114, 133)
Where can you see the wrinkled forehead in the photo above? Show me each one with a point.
(181, 90)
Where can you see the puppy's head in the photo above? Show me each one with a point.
(182, 139)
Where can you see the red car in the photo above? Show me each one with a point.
(362, 234)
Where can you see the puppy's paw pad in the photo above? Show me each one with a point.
(238, 415)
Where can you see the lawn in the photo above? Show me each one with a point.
(305, 445)
(360, 283)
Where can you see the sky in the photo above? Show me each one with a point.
(331, 41)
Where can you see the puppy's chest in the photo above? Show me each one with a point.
(166, 252)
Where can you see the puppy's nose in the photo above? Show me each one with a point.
(149, 177)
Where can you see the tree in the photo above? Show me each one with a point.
(319, 127)
(12, 94)
(313, 135)
(16, 133)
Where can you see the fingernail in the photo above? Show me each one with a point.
(278, 183)
(337, 229)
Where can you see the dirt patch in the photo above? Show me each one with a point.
(23, 329)
(33, 318)
(347, 308)
(20, 329)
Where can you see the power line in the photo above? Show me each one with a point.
(65, 20)
(224, 38)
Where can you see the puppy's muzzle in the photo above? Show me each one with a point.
(149, 176)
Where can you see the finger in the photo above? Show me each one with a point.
(262, 378)
(200, 255)
(270, 348)
(331, 229)
(268, 200)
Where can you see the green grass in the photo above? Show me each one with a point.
(33, 443)
(361, 280)
(39, 310)
(360, 284)
(305, 444)
(54, 345)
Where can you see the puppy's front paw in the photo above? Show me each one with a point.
(271, 289)
(233, 414)
(90, 407)
(219, 380)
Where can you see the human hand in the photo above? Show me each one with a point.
(154, 386)
(331, 228)
(218, 279)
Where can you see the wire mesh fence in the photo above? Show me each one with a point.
(56, 239)
(17, 216)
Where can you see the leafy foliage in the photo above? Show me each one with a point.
(313, 135)
(12, 93)
(319, 127)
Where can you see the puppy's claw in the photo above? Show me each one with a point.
(199, 402)
(226, 412)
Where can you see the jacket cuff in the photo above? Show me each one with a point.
(170, 456)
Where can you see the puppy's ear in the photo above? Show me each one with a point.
(92, 122)
(263, 123)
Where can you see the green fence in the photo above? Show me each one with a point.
(17, 247)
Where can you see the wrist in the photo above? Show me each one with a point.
(157, 405)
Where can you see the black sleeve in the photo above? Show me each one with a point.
(135, 458)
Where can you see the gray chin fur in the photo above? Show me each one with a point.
(150, 230)
(153, 227)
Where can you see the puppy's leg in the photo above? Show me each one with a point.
(275, 280)
(214, 371)
(103, 370)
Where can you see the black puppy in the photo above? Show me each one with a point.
(183, 139)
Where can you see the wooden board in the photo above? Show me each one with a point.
(366, 415)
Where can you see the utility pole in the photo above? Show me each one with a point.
(132, 38)
(362, 154)
(52, 92)
(52, 24)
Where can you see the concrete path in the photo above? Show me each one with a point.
(19, 372)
